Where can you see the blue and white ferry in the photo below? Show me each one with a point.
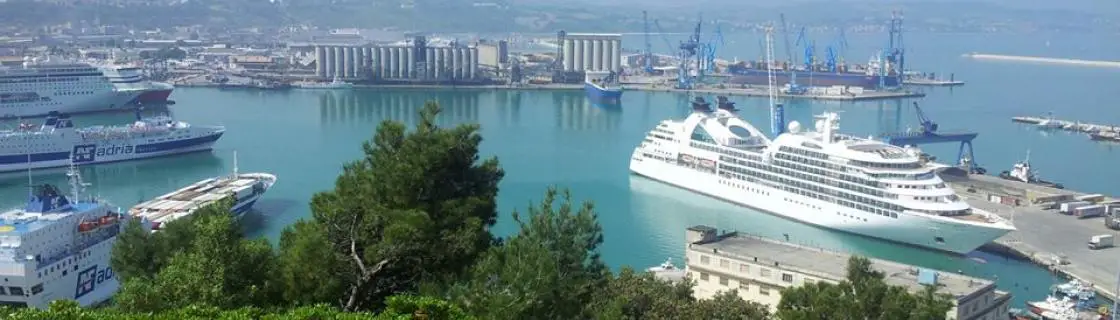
(602, 87)
(57, 248)
(57, 143)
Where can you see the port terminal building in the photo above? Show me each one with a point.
(412, 61)
(757, 269)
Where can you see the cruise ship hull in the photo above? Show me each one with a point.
(158, 93)
(104, 101)
(92, 153)
(815, 79)
(602, 95)
(908, 229)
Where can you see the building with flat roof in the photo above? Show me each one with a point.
(758, 269)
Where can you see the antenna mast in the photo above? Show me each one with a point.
(235, 164)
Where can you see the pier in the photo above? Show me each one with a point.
(1079, 62)
(1045, 237)
(1100, 132)
(932, 82)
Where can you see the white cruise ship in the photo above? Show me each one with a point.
(131, 79)
(57, 142)
(245, 188)
(818, 177)
(58, 248)
(37, 88)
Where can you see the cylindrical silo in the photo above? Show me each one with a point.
(430, 63)
(616, 55)
(456, 63)
(338, 65)
(596, 55)
(402, 62)
(410, 70)
(577, 56)
(569, 50)
(589, 52)
(347, 63)
(366, 56)
(473, 64)
(382, 62)
(394, 63)
(608, 60)
(437, 65)
(320, 69)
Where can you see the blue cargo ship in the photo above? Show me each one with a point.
(602, 87)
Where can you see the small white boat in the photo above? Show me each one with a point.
(667, 271)
(334, 84)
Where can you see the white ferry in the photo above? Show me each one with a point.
(57, 143)
(818, 177)
(37, 88)
(245, 188)
(55, 249)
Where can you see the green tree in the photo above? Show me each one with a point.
(640, 295)
(863, 295)
(219, 268)
(398, 308)
(416, 208)
(550, 270)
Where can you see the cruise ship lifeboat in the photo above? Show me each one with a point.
(108, 220)
(87, 226)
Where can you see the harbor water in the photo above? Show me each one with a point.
(558, 138)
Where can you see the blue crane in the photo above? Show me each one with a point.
(648, 55)
(710, 50)
(793, 86)
(810, 49)
(928, 134)
(685, 51)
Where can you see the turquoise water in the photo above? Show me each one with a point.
(557, 138)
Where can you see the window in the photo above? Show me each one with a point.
(763, 290)
(787, 277)
(743, 287)
(744, 268)
(764, 272)
(723, 281)
(723, 263)
(705, 259)
(703, 276)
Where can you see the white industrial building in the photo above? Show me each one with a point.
(592, 52)
(757, 270)
(397, 62)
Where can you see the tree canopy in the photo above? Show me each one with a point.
(863, 295)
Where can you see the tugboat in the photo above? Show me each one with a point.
(1022, 172)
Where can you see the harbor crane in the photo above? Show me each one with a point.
(793, 86)
(928, 134)
(648, 54)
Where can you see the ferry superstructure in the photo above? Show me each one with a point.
(38, 88)
(58, 248)
(244, 188)
(819, 177)
(57, 143)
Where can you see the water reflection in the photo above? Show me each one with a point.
(372, 106)
(576, 113)
(127, 182)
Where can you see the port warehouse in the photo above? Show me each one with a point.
(413, 61)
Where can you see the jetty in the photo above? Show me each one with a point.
(1044, 236)
(1079, 62)
(1098, 132)
(932, 82)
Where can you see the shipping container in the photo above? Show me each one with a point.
(1089, 211)
(1069, 206)
(1090, 197)
(994, 198)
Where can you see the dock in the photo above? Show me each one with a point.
(1102, 132)
(1045, 237)
(764, 92)
(932, 82)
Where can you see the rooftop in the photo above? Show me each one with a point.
(829, 264)
(20, 222)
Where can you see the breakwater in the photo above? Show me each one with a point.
(1080, 62)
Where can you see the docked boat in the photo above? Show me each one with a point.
(334, 84)
(603, 87)
(245, 188)
(1054, 308)
(668, 271)
(57, 142)
(819, 177)
(58, 248)
(1022, 172)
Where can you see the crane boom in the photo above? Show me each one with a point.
(785, 36)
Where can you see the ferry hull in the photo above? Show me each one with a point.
(158, 94)
(106, 101)
(92, 283)
(601, 95)
(908, 229)
(816, 79)
(110, 152)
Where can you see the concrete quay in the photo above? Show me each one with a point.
(764, 92)
(1045, 237)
